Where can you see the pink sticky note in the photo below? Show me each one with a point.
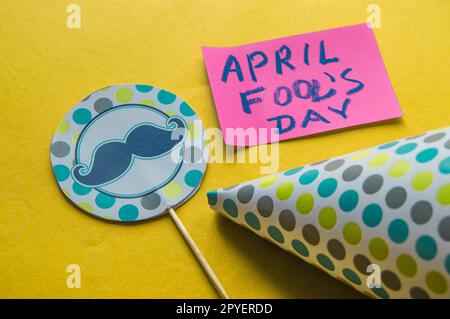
(300, 85)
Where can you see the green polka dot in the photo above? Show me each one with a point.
(352, 233)
(268, 181)
(252, 221)
(75, 138)
(305, 203)
(230, 207)
(193, 130)
(124, 95)
(427, 155)
(325, 262)
(63, 127)
(80, 189)
(61, 172)
(348, 200)
(444, 166)
(300, 248)
(426, 247)
(308, 177)
(172, 190)
(82, 116)
(327, 218)
(398, 231)
(443, 194)
(406, 265)
(380, 292)
(378, 248)
(361, 155)
(388, 145)
(327, 187)
(436, 282)
(128, 213)
(104, 201)
(400, 168)
(372, 215)
(165, 97)
(422, 180)
(293, 171)
(144, 88)
(193, 178)
(404, 149)
(147, 102)
(351, 276)
(379, 160)
(212, 197)
(284, 190)
(186, 110)
(276, 234)
(85, 206)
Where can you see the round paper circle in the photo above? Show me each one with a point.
(129, 152)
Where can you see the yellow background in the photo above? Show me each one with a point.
(46, 68)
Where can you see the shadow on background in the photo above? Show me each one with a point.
(296, 277)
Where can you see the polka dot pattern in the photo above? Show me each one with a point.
(386, 206)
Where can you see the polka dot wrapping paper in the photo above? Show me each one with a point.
(387, 205)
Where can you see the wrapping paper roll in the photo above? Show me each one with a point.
(387, 205)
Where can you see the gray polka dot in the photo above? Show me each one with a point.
(396, 197)
(447, 145)
(193, 154)
(372, 184)
(418, 293)
(421, 212)
(228, 188)
(444, 228)
(415, 136)
(245, 194)
(287, 220)
(391, 280)
(265, 206)
(336, 249)
(102, 104)
(311, 234)
(361, 263)
(74, 162)
(151, 201)
(60, 149)
(351, 173)
(434, 137)
(318, 163)
(334, 165)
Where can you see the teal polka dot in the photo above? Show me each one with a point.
(398, 231)
(104, 201)
(193, 178)
(308, 177)
(80, 189)
(380, 292)
(144, 88)
(186, 110)
(300, 248)
(447, 263)
(426, 155)
(388, 145)
(404, 149)
(128, 213)
(293, 171)
(276, 234)
(444, 166)
(230, 207)
(212, 197)
(61, 172)
(82, 116)
(325, 262)
(372, 215)
(252, 221)
(348, 200)
(426, 247)
(351, 276)
(327, 187)
(165, 97)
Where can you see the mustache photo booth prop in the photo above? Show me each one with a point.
(387, 205)
(128, 153)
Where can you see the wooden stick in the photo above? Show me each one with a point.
(209, 272)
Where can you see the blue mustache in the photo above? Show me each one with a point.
(113, 158)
